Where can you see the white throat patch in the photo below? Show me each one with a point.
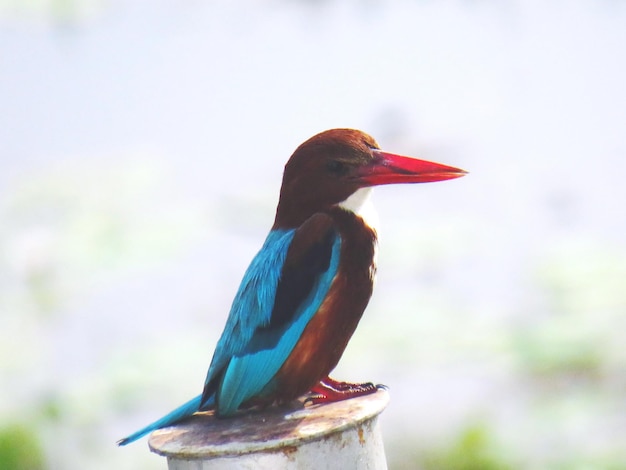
(360, 204)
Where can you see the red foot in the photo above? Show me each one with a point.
(329, 390)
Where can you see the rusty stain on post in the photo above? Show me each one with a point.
(344, 434)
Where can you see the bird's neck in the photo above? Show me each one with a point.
(291, 216)
(360, 204)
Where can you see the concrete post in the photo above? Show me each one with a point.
(341, 435)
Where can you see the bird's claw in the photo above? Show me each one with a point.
(313, 399)
(330, 390)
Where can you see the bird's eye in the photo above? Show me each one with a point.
(371, 146)
(337, 167)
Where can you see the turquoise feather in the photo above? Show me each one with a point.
(251, 370)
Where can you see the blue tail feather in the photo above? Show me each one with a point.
(183, 411)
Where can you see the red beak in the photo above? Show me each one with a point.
(387, 168)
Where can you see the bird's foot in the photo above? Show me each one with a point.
(330, 390)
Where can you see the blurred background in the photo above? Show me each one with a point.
(141, 152)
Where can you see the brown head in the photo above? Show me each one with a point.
(331, 166)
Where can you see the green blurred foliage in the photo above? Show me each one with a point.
(67, 231)
(73, 226)
(578, 332)
(61, 12)
(474, 448)
(20, 448)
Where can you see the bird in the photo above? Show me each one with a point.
(304, 293)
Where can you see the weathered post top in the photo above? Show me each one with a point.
(342, 435)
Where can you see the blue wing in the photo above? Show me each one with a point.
(281, 291)
(279, 294)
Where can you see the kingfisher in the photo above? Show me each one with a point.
(302, 296)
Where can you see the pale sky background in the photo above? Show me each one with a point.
(141, 152)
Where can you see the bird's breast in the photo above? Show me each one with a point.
(327, 334)
(360, 204)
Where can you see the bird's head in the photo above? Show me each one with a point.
(331, 166)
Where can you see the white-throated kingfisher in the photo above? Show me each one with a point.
(304, 293)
